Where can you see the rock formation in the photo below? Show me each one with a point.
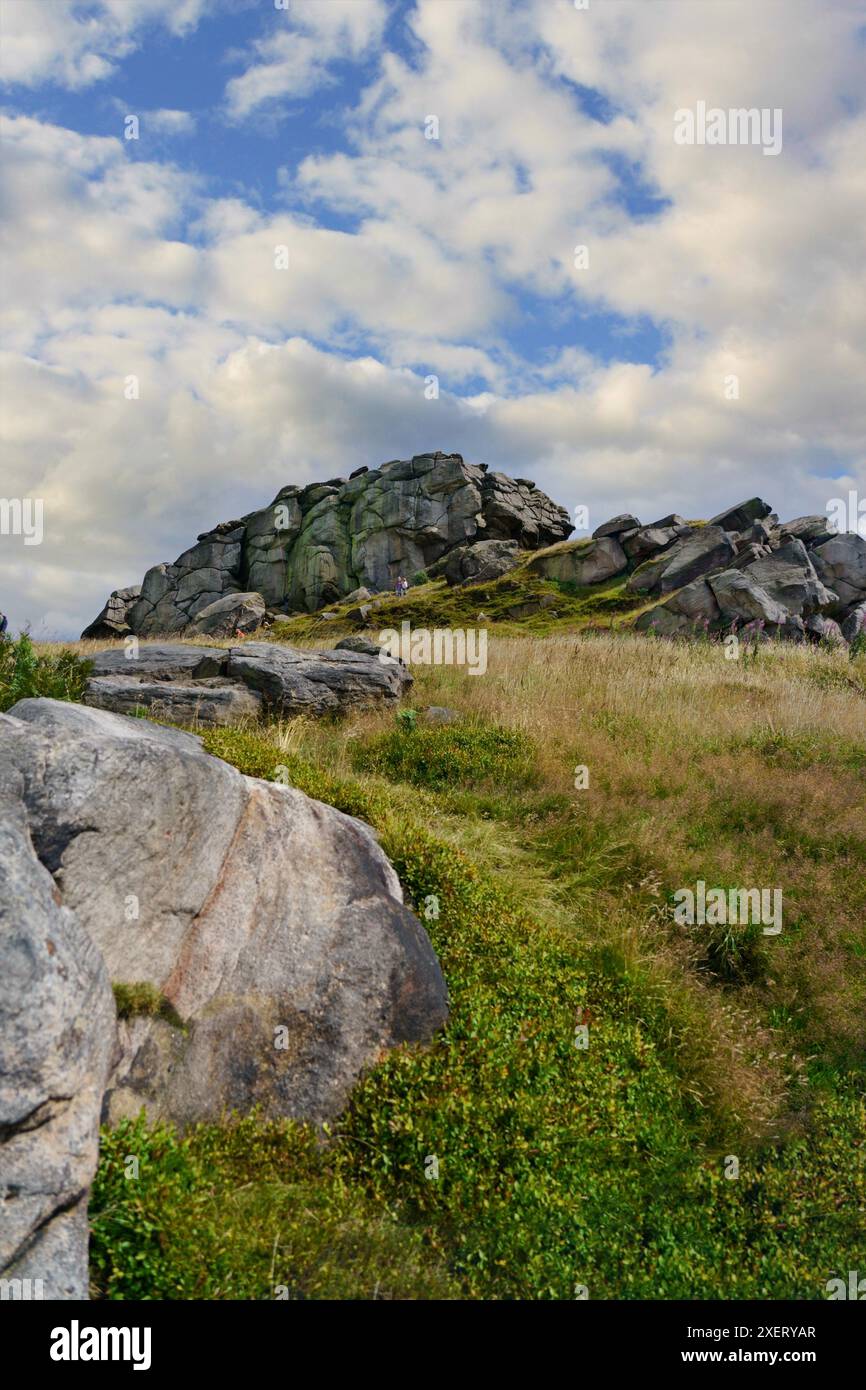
(186, 683)
(798, 579)
(57, 1042)
(269, 929)
(316, 544)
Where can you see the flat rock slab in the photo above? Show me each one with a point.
(183, 682)
(215, 701)
(299, 682)
(272, 925)
(161, 661)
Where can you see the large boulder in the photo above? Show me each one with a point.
(314, 545)
(480, 563)
(699, 551)
(741, 517)
(690, 610)
(616, 526)
(789, 577)
(640, 544)
(208, 685)
(855, 623)
(265, 932)
(740, 597)
(811, 530)
(293, 682)
(113, 620)
(230, 616)
(213, 701)
(841, 564)
(57, 1043)
(581, 562)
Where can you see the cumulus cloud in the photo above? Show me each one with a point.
(75, 43)
(408, 256)
(296, 57)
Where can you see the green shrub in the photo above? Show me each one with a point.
(243, 1210)
(421, 577)
(24, 674)
(449, 756)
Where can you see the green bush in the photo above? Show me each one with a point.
(421, 577)
(24, 674)
(449, 756)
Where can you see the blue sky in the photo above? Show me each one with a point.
(304, 126)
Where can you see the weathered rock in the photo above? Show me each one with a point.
(855, 622)
(271, 925)
(214, 701)
(581, 562)
(811, 530)
(357, 642)
(701, 550)
(57, 1043)
(113, 620)
(302, 682)
(740, 518)
(230, 615)
(691, 609)
(740, 596)
(648, 540)
(315, 545)
(825, 630)
(158, 661)
(480, 563)
(617, 524)
(789, 577)
(841, 564)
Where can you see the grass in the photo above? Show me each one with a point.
(547, 904)
(26, 673)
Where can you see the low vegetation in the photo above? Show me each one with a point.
(25, 672)
(509, 1160)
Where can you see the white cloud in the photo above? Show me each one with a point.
(251, 376)
(295, 58)
(75, 43)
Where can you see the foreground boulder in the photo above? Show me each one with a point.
(184, 683)
(57, 1043)
(265, 933)
(316, 544)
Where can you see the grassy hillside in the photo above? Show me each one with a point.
(562, 1168)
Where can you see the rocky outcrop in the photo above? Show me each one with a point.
(112, 621)
(186, 684)
(796, 579)
(265, 931)
(57, 1043)
(313, 545)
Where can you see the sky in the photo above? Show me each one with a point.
(240, 237)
